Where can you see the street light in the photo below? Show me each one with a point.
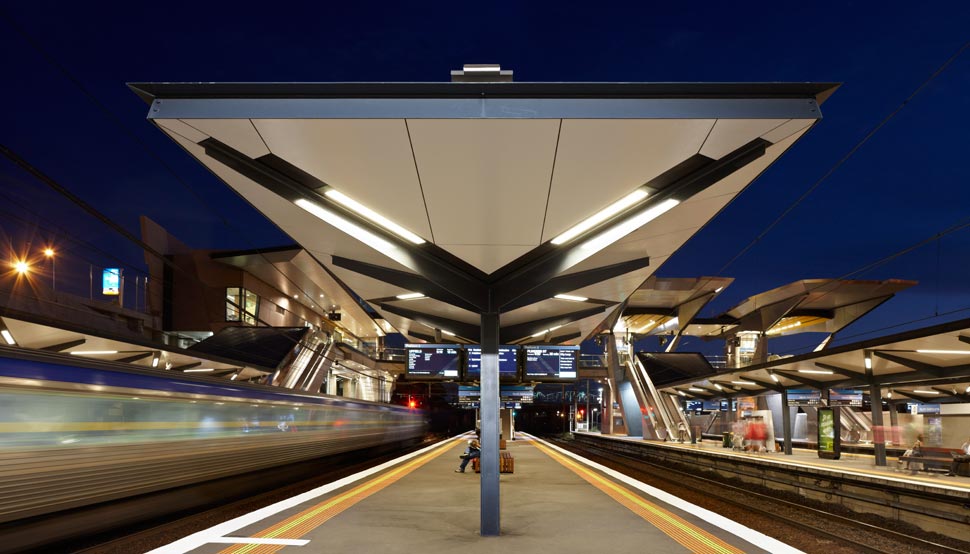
(49, 252)
(21, 267)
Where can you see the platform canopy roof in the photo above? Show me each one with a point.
(463, 192)
(927, 365)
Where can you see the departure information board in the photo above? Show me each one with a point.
(551, 362)
(508, 362)
(433, 361)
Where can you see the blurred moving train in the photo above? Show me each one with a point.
(74, 433)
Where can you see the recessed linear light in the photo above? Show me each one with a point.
(199, 370)
(944, 352)
(718, 387)
(718, 289)
(623, 229)
(601, 216)
(540, 333)
(868, 362)
(370, 214)
(234, 376)
(449, 333)
(571, 297)
(774, 378)
(680, 392)
(744, 383)
(695, 389)
(92, 352)
(816, 371)
(352, 229)
(409, 296)
(7, 337)
(927, 391)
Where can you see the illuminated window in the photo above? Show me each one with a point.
(241, 305)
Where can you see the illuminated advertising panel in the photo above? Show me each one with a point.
(111, 282)
(829, 443)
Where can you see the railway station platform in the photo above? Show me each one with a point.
(553, 502)
(932, 501)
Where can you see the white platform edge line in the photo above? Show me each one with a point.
(200, 538)
(745, 533)
(257, 540)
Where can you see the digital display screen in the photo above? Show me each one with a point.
(804, 397)
(433, 361)
(551, 362)
(508, 362)
(845, 397)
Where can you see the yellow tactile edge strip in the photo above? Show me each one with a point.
(688, 535)
(302, 523)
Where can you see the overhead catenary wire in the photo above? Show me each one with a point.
(811, 189)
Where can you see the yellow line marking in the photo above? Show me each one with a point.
(688, 535)
(302, 523)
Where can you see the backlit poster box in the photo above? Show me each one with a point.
(111, 282)
(829, 440)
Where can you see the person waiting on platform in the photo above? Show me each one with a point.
(474, 450)
(682, 435)
(958, 459)
(916, 450)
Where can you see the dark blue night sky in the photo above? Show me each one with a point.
(908, 183)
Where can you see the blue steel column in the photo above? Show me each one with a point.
(490, 425)
(879, 446)
(786, 420)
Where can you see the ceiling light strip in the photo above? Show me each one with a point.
(572, 297)
(373, 216)
(7, 337)
(625, 228)
(602, 215)
(352, 229)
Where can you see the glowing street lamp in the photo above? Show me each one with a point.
(21, 267)
(49, 252)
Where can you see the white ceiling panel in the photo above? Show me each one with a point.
(432, 306)
(600, 161)
(487, 257)
(784, 131)
(486, 181)
(186, 131)
(237, 133)
(311, 233)
(616, 289)
(369, 160)
(730, 134)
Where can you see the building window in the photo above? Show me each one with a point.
(241, 305)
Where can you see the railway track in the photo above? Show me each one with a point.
(831, 532)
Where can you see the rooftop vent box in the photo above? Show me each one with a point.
(481, 73)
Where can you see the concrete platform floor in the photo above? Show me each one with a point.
(554, 502)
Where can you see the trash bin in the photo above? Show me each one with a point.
(726, 437)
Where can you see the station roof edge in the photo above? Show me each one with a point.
(150, 91)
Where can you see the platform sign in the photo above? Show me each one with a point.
(551, 363)
(845, 397)
(804, 397)
(519, 394)
(508, 363)
(829, 440)
(469, 395)
(433, 361)
(111, 281)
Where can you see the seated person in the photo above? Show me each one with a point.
(958, 459)
(474, 450)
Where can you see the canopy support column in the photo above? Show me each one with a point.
(490, 426)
